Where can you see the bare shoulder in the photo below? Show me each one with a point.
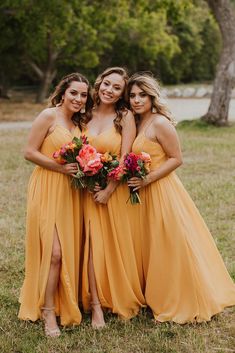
(46, 117)
(127, 117)
(162, 124)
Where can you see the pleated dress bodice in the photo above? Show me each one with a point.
(107, 141)
(155, 150)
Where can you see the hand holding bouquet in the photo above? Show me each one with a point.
(134, 165)
(109, 162)
(81, 152)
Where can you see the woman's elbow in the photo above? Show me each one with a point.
(28, 154)
(179, 161)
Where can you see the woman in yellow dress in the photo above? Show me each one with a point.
(110, 277)
(54, 218)
(184, 274)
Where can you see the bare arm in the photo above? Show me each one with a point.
(128, 133)
(168, 138)
(38, 133)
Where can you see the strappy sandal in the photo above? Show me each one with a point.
(94, 324)
(50, 332)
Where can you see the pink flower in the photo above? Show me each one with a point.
(131, 161)
(56, 154)
(89, 160)
(62, 150)
(117, 173)
(145, 157)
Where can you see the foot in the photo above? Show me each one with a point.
(51, 328)
(97, 320)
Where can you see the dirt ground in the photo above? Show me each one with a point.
(22, 107)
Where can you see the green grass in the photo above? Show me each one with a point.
(208, 173)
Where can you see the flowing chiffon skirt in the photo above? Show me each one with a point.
(184, 274)
(52, 204)
(109, 235)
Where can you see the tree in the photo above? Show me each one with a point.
(64, 33)
(53, 32)
(225, 75)
(10, 49)
(178, 41)
(197, 34)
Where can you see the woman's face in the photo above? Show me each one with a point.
(140, 101)
(111, 88)
(75, 96)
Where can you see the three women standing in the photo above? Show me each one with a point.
(159, 254)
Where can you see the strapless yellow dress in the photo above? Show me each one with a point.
(109, 231)
(52, 203)
(185, 279)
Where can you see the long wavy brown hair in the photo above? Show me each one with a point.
(120, 105)
(149, 85)
(56, 96)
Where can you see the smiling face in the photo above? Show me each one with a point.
(111, 88)
(75, 96)
(140, 101)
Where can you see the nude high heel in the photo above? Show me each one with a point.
(50, 332)
(96, 307)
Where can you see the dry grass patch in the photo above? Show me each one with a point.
(21, 107)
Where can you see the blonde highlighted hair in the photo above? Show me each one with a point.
(121, 104)
(149, 85)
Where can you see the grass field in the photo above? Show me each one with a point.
(21, 107)
(208, 174)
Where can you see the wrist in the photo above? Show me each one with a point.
(111, 187)
(59, 168)
(148, 179)
(109, 190)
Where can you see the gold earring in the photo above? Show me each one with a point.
(60, 103)
(153, 110)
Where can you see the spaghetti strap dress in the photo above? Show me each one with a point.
(185, 278)
(52, 203)
(108, 231)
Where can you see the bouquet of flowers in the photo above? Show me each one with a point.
(81, 152)
(109, 162)
(134, 165)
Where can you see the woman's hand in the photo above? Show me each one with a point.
(102, 196)
(97, 188)
(69, 169)
(137, 183)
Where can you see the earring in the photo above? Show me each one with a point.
(60, 103)
(83, 110)
(153, 110)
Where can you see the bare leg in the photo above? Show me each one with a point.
(48, 313)
(97, 312)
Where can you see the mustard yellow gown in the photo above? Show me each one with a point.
(52, 203)
(185, 279)
(108, 230)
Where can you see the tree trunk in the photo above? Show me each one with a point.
(46, 81)
(47, 74)
(4, 86)
(225, 74)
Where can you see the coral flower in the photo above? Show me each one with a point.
(89, 160)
